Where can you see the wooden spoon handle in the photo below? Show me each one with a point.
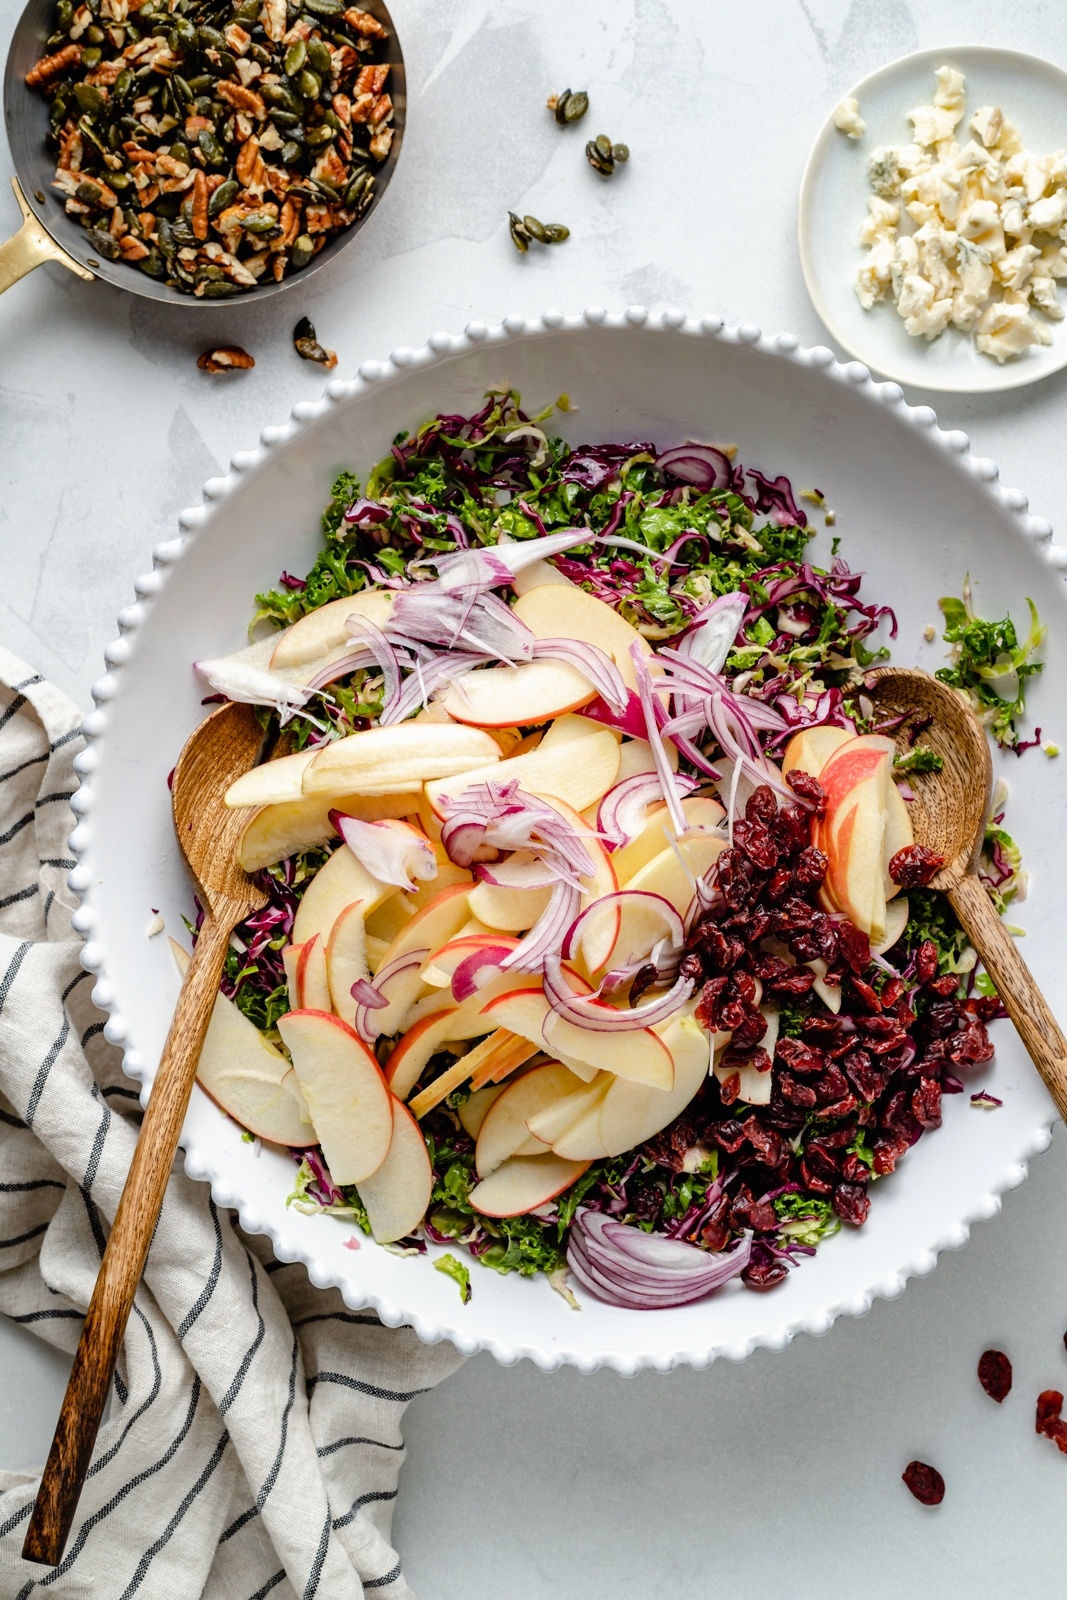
(1023, 1000)
(126, 1250)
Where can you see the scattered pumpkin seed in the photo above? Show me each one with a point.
(520, 233)
(569, 106)
(620, 152)
(556, 232)
(317, 137)
(535, 228)
(295, 57)
(307, 346)
(103, 243)
(320, 57)
(310, 84)
(302, 251)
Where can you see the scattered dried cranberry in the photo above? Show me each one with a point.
(808, 788)
(1049, 1420)
(994, 1374)
(925, 1482)
(914, 866)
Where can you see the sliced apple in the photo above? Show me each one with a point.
(571, 726)
(635, 1053)
(579, 772)
(442, 963)
(523, 1183)
(324, 629)
(474, 1110)
(852, 836)
(539, 575)
(504, 1131)
(531, 692)
(853, 761)
(398, 758)
(247, 1076)
(702, 813)
(283, 828)
(338, 882)
(312, 982)
(810, 749)
(271, 782)
(508, 910)
(397, 1195)
(558, 613)
(633, 1112)
(290, 963)
(572, 1125)
(637, 757)
(434, 925)
(346, 1094)
(896, 920)
(346, 959)
(672, 873)
(898, 833)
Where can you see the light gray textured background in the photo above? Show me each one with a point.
(779, 1477)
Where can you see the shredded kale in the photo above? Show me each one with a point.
(454, 1269)
(919, 759)
(989, 664)
(806, 1219)
(931, 917)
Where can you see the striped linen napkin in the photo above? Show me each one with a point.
(254, 1441)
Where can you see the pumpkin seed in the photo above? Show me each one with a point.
(302, 251)
(520, 234)
(95, 34)
(317, 137)
(213, 151)
(209, 38)
(356, 187)
(64, 15)
(556, 232)
(620, 152)
(320, 57)
(295, 57)
(309, 84)
(223, 196)
(534, 228)
(91, 57)
(122, 85)
(180, 151)
(119, 181)
(307, 346)
(89, 99)
(102, 242)
(220, 291)
(575, 106)
(181, 88)
(152, 265)
(603, 146)
(202, 83)
(260, 222)
(559, 110)
(248, 11)
(284, 119)
(605, 166)
(291, 153)
(326, 8)
(276, 94)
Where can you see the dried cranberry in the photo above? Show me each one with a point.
(852, 1203)
(798, 1094)
(970, 1045)
(780, 884)
(808, 788)
(810, 867)
(853, 1170)
(768, 1147)
(854, 945)
(716, 1229)
(946, 986)
(803, 1058)
(840, 1108)
(926, 961)
(994, 1374)
(914, 866)
(868, 995)
(755, 841)
(811, 1180)
(730, 1088)
(891, 992)
(749, 1212)
(765, 1274)
(831, 1086)
(761, 805)
(926, 1103)
(691, 966)
(799, 981)
(729, 1136)
(707, 1012)
(720, 953)
(925, 1483)
(821, 1161)
(1049, 1420)
(792, 828)
(887, 1152)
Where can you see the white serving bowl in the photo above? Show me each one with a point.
(914, 509)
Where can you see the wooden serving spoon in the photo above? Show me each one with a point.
(948, 815)
(219, 751)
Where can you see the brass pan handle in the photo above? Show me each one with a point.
(31, 246)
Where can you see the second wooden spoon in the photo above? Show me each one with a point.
(948, 815)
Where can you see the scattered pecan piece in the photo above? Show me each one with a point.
(362, 22)
(242, 99)
(50, 67)
(228, 358)
(199, 219)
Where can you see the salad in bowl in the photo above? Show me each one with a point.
(597, 943)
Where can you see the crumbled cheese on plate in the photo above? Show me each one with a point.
(965, 227)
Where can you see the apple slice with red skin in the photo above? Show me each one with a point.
(474, 1110)
(347, 1096)
(442, 964)
(506, 697)
(346, 959)
(702, 813)
(852, 836)
(280, 830)
(898, 834)
(504, 1131)
(338, 882)
(636, 1053)
(323, 629)
(394, 759)
(671, 873)
(572, 613)
(247, 1077)
(572, 1125)
(578, 772)
(312, 981)
(523, 1183)
(564, 730)
(397, 1195)
(633, 1112)
(810, 749)
(290, 959)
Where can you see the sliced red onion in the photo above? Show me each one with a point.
(622, 813)
(521, 870)
(478, 969)
(630, 721)
(524, 553)
(364, 993)
(592, 662)
(586, 1011)
(652, 734)
(617, 542)
(711, 637)
(391, 852)
(388, 657)
(673, 929)
(355, 661)
(254, 686)
(510, 819)
(702, 465)
(546, 935)
(639, 1271)
(429, 672)
(364, 1021)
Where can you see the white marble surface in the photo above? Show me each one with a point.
(780, 1476)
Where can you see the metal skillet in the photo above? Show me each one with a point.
(49, 234)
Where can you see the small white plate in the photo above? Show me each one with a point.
(833, 203)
